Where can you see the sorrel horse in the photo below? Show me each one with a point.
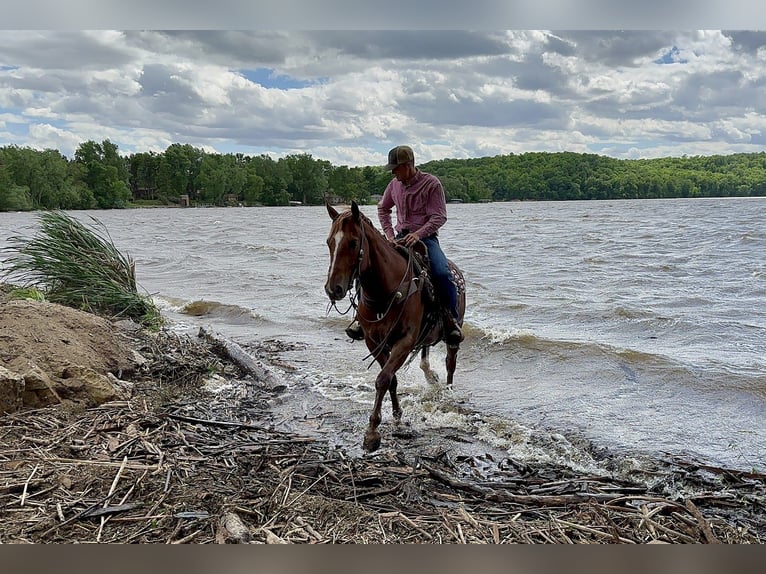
(394, 307)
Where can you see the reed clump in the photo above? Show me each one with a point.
(79, 266)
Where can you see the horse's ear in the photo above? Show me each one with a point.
(354, 209)
(332, 211)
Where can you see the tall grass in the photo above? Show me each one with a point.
(80, 267)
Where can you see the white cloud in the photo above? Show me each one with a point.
(347, 96)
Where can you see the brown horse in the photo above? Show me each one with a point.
(394, 308)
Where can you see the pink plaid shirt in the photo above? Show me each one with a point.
(420, 206)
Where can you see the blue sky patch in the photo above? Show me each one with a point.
(16, 129)
(672, 56)
(268, 79)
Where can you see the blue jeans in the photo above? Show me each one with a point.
(442, 276)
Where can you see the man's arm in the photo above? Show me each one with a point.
(436, 210)
(385, 205)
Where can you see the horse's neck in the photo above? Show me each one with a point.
(386, 267)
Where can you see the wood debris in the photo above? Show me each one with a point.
(176, 464)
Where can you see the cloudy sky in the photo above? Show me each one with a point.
(347, 96)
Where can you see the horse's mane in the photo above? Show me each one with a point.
(399, 249)
(367, 221)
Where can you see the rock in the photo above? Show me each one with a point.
(232, 530)
(11, 390)
(138, 359)
(75, 383)
(39, 389)
(87, 387)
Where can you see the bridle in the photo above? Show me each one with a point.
(398, 296)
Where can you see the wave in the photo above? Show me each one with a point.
(509, 342)
(591, 359)
(210, 310)
(438, 410)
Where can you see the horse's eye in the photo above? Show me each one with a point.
(352, 244)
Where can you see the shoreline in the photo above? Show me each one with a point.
(193, 455)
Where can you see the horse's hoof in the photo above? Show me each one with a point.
(371, 441)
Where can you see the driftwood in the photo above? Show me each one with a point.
(195, 467)
(246, 362)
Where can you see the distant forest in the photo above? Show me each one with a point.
(98, 177)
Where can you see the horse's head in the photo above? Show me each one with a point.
(345, 244)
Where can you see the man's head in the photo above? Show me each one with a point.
(399, 155)
(401, 161)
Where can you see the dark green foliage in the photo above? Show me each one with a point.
(99, 178)
(568, 176)
(32, 179)
(79, 267)
(104, 173)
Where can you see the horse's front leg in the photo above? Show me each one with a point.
(386, 382)
(425, 366)
(395, 408)
(372, 434)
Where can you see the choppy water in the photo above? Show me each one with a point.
(637, 325)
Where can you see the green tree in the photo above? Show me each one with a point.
(348, 184)
(308, 183)
(13, 197)
(178, 170)
(212, 180)
(144, 169)
(252, 189)
(105, 173)
(275, 177)
(43, 174)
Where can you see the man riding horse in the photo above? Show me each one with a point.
(421, 209)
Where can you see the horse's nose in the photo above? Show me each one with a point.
(335, 292)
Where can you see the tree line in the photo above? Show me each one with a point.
(98, 177)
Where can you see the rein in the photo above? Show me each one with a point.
(396, 297)
(398, 294)
(355, 275)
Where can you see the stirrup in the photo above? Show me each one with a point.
(354, 331)
(454, 334)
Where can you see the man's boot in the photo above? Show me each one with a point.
(453, 335)
(354, 330)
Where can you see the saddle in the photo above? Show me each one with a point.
(435, 309)
(421, 271)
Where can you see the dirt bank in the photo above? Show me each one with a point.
(188, 453)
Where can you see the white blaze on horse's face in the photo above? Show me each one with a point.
(334, 249)
(338, 280)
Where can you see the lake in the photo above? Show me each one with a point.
(636, 326)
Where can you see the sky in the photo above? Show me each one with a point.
(347, 95)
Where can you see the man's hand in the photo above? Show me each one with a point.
(409, 240)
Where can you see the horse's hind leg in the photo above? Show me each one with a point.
(451, 362)
(395, 408)
(425, 366)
